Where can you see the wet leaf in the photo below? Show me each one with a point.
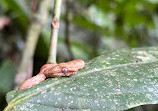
(112, 82)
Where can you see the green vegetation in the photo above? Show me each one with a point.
(92, 30)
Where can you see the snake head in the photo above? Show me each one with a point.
(64, 69)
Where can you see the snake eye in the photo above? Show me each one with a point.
(64, 70)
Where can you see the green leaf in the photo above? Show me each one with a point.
(83, 22)
(7, 73)
(112, 82)
(18, 10)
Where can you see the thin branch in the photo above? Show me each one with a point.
(34, 5)
(54, 32)
(40, 18)
(67, 30)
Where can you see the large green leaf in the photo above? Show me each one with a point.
(112, 82)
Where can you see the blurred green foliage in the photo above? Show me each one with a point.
(7, 73)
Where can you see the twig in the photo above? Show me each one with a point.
(54, 32)
(67, 30)
(34, 6)
(40, 18)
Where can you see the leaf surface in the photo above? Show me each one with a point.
(115, 81)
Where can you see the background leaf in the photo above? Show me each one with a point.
(115, 81)
(7, 73)
(19, 12)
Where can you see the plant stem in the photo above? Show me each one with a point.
(67, 29)
(34, 5)
(54, 32)
(39, 19)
